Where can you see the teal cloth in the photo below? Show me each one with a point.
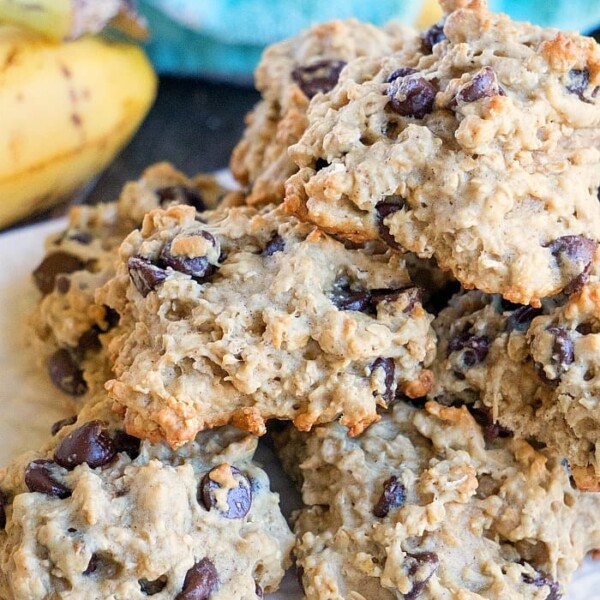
(225, 38)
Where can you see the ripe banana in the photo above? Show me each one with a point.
(70, 19)
(65, 110)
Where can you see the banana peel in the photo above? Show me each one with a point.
(70, 19)
(66, 109)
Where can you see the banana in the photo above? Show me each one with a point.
(430, 14)
(65, 111)
(70, 19)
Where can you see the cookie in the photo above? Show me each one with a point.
(99, 514)
(480, 149)
(254, 316)
(425, 505)
(535, 369)
(68, 325)
(288, 76)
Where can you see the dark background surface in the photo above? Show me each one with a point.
(194, 124)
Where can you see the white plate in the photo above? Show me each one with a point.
(29, 404)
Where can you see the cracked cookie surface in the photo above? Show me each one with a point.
(481, 149)
(426, 505)
(253, 317)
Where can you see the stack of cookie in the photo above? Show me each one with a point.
(444, 440)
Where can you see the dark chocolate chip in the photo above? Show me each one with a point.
(89, 340)
(320, 76)
(181, 194)
(421, 567)
(145, 275)
(53, 265)
(393, 496)
(90, 444)
(434, 35)
(258, 591)
(200, 581)
(239, 497)
(347, 299)
(563, 351)
(123, 442)
(584, 328)
(39, 478)
(411, 96)
(475, 348)
(197, 267)
(81, 237)
(491, 429)
(543, 580)
(574, 254)
(65, 373)
(2, 514)
(111, 316)
(413, 296)
(275, 244)
(579, 79)
(151, 588)
(384, 209)
(483, 85)
(102, 566)
(401, 72)
(388, 367)
(521, 318)
(92, 565)
(56, 427)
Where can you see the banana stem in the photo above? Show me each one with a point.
(70, 19)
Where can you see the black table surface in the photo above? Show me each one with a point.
(194, 124)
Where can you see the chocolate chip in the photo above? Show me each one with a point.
(151, 588)
(388, 367)
(392, 497)
(384, 209)
(56, 427)
(275, 244)
(181, 194)
(579, 79)
(145, 275)
(521, 318)
(563, 351)
(92, 565)
(321, 76)
(3, 515)
(111, 316)
(200, 581)
(239, 496)
(543, 580)
(89, 340)
(90, 444)
(401, 72)
(411, 96)
(66, 374)
(413, 296)
(483, 85)
(197, 267)
(420, 568)
(53, 265)
(434, 35)
(491, 429)
(102, 566)
(258, 591)
(346, 299)
(475, 348)
(81, 237)
(39, 478)
(123, 442)
(574, 254)
(584, 328)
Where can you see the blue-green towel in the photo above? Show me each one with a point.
(224, 38)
